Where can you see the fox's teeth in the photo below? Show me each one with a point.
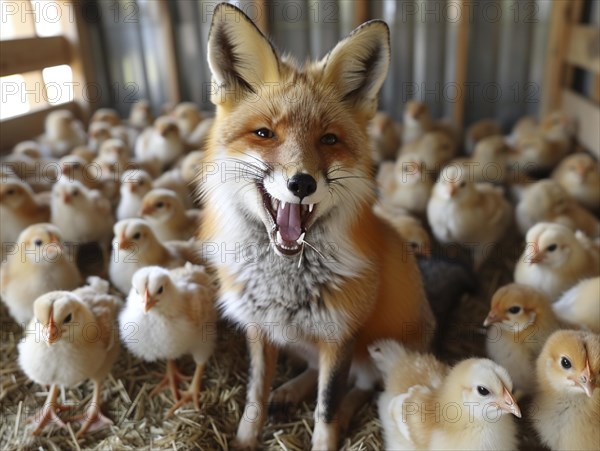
(301, 239)
(282, 204)
(274, 203)
(310, 207)
(279, 237)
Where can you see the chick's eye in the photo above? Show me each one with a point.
(482, 391)
(329, 139)
(264, 133)
(565, 363)
(75, 193)
(160, 205)
(68, 319)
(10, 192)
(160, 290)
(413, 245)
(462, 184)
(136, 236)
(514, 309)
(551, 248)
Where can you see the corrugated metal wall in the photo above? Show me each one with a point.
(506, 49)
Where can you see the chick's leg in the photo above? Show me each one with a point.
(192, 393)
(171, 380)
(48, 413)
(92, 419)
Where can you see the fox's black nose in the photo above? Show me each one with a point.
(302, 185)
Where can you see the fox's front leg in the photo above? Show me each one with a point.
(334, 365)
(263, 361)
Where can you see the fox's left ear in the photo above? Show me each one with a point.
(358, 65)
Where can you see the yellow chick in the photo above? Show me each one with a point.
(479, 130)
(458, 208)
(135, 245)
(19, 207)
(547, 201)
(140, 115)
(73, 167)
(567, 404)
(108, 115)
(71, 339)
(489, 162)
(191, 166)
(198, 138)
(428, 405)
(113, 155)
(409, 187)
(162, 141)
(409, 228)
(385, 140)
(524, 319)
(416, 121)
(555, 259)
(435, 149)
(579, 175)
(169, 314)
(579, 306)
(168, 217)
(187, 116)
(173, 180)
(98, 132)
(38, 265)
(62, 132)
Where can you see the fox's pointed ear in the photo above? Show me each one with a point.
(240, 57)
(358, 65)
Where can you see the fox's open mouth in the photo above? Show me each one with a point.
(290, 222)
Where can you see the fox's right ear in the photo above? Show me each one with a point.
(240, 57)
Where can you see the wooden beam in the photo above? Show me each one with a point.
(588, 117)
(584, 48)
(18, 56)
(462, 51)
(28, 126)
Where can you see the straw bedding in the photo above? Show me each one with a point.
(139, 422)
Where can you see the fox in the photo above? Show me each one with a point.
(303, 263)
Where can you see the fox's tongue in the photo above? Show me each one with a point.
(288, 221)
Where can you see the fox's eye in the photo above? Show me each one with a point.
(551, 248)
(38, 242)
(514, 309)
(329, 139)
(264, 133)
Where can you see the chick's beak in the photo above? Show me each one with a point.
(452, 189)
(146, 210)
(66, 198)
(586, 381)
(509, 404)
(536, 257)
(53, 333)
(492, 318)
(148, 301)
(56, 241)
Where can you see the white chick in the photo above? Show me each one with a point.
(82, 215)
(555, 259)
(410, 187)
(479, 130)
(62, 132)
(162, 141)
(168, 217)
(38, 265)
(108, 115)
(19, 208)
(567, 412)
(198, 138)
(135, 245)
(191, 165)
(489, 162)
(98, 132)
(427, 405)
(173, 180)
(140, 115)
(135, 183)
(172, 313)
(579, 175)
(114, 155)
(458, 208)
(385, 140)
(524, 319)
(580, 306)
(59, 349)
(547, 201)
(435, 148)
(73, 167)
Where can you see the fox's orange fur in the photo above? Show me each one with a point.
(300, 133)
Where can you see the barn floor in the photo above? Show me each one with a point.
(138, 418)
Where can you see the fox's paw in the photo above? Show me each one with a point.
(283, 404)
(246, 437)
